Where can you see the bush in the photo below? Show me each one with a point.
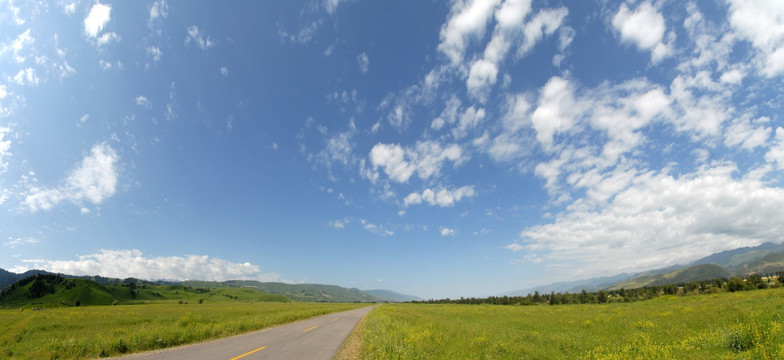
(115, 302)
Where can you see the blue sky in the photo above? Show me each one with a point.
(440, 149)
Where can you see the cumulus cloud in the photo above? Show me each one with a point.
(18, 45)
(198, 37)
(776, 152)
(142, 101)
(375, 228)
(96, 21)
(761, 23)
(468, 19)
(133, 263)
(643, 26)
(661, 220)
(425, 159)
(93, 180)
(154, 52)
(442, 197)
(26, 77)
(748, 134)
(445, 231)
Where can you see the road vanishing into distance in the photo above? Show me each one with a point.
(313, 339)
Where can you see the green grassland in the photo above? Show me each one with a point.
(736, 325)
(99, 331)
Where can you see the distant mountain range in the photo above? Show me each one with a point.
(763, 259)
(296, 292)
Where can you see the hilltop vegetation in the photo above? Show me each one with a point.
(47, 290)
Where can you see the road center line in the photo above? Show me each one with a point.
(308, 329)
(335, 319)
(247, 353)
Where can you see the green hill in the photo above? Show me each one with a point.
(308, 292)
(692, 273)
(392, 296)
(55, 290)
(770, 264)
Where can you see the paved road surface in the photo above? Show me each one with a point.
(313, 339)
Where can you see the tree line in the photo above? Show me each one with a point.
(733, 284)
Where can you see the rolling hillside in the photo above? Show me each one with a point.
(693, 273)
(308, 292)
(392, 296)
(55, 290)
(762, 259)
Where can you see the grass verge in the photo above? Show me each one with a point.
(720, 326)
(102, 331)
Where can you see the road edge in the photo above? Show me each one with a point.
(351, 348)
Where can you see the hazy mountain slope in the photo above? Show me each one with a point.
(391, 296)
(308, 292)
(692, 273)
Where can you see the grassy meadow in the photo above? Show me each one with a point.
(740, 325)
(100, 331)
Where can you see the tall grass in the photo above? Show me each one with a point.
(727, 325)
(99, 331)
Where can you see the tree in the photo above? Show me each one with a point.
(601, 296)
(780, 277)
(735, 284)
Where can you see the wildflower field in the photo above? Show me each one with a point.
(740, 325)
(100, 331)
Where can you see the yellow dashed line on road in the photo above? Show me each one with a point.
(247, 353)
(308, 329)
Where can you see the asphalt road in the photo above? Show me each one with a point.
(314, 339)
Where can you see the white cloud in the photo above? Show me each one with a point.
(762, 23)
(106, 38)
(159, 9)
(747, 133)
(143, 102)
(445, 231)
(340, 224)
(364, 63)
(18, 45)
(94, 180)
(69, 9)
(644, 27)
(26, 77)
(198, 38)
(224, 71)
(5, 146)
(660, 220)
(97, 19)
(468, 19)
(13, 243)
(376, 229)
(546, 22)
(331, 5)
(425, 159)
(132, 263)
(154, 52)
(442, 197)
(776, 152)
(555, 112)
